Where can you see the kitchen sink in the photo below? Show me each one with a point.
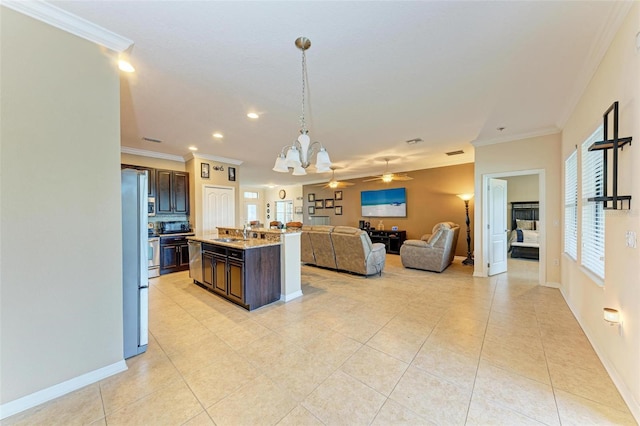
(226, 240)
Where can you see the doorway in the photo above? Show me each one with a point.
(486, 219)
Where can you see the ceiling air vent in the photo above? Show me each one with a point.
(458, 152)
(151, 140)
(413, 141)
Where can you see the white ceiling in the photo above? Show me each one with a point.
(379, 73)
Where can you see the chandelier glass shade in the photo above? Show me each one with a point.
(297, 156)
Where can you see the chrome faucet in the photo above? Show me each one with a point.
(245, 231)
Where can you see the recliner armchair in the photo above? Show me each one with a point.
(433, 252)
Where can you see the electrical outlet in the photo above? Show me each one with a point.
(556, 262)
(630, 238)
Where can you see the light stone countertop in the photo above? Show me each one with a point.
(250, 243)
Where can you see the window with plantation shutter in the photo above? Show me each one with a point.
(592, 256)
(571, 205)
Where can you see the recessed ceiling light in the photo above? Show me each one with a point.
(217, 135)
(193, 148)
(125, 66)
(253, 115)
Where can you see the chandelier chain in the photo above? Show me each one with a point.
(303, 125)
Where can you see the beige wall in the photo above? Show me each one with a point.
(431, 198)
(617, 79)
(61, 248)
(512, 158)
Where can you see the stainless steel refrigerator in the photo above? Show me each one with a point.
(135, 259)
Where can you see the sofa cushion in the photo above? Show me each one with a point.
(322, 228)
(416, 243)
(322, 248)
(347, 230)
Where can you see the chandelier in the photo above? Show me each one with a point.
(297, 155)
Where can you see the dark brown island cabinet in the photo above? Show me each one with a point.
(247, 277)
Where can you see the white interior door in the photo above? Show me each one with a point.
(497, 196)
(218, 208)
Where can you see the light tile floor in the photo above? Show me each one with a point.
(410, 347)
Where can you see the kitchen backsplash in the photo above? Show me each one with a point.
(167, 218)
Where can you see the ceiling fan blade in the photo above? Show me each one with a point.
(344, 184)
(402, 177)
(372, 179)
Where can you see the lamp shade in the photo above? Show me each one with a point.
(465, 197)
(293, 157)
(281, 164)
(299, 171)
(323, 163)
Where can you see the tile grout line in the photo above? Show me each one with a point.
(546, 362)
(484, 336)
(173, 364)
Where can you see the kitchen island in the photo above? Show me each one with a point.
(254, 271)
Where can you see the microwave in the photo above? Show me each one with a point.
(152, 206)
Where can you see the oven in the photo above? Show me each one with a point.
(154, 257)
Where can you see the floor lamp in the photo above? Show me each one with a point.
(466, 198)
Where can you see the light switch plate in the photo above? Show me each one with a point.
(631, 239)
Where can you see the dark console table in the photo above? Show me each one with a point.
(392, 240)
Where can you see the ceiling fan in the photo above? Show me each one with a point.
(389, 177)
(334, 183)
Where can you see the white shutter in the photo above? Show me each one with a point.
(571, 205)
(592, 213)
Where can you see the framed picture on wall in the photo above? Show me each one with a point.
(298, 209)
(312, 210)
(337, 195)
(311, 198)
(204, 170)
(328, 203)
(338, 210)
(319, 204)
(232, 174)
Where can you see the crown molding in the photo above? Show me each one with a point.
(152, 154)
(517, 137)
(215, 158)
(59, 18)
(179, 158)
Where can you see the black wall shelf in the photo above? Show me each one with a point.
(604, 146)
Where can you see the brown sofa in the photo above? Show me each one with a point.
(343, 248)
(433, 252)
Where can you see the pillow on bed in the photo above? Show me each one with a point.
(528, 225)
(525, 236)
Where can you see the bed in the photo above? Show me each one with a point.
(525, 224)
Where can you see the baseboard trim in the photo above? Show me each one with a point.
(625, 392)
(552, 285)
(290, 296)
(21, 404)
